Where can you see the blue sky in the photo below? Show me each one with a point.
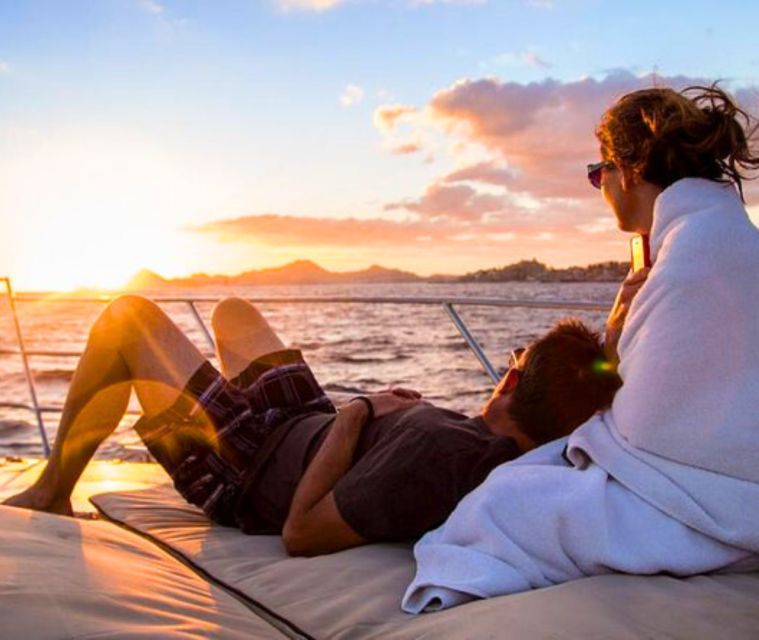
(128, 126)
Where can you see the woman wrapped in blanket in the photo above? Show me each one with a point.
(666, 479)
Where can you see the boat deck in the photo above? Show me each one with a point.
(100, 476)
(166, 572)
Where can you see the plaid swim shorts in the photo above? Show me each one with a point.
(208, 439)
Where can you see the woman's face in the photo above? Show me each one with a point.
(614, 192)
(630, 198)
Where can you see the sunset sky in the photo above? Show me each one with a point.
(437, 136)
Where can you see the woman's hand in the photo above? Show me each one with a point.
(392, 400)
(616, 320)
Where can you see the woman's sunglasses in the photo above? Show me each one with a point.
(595, 172)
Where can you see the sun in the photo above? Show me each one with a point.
(89, 210)
(90, 251)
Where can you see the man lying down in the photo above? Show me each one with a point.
(262, 448)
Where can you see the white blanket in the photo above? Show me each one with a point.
(667, 480)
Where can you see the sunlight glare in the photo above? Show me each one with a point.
(91, 208)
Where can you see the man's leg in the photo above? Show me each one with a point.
(242, 335)
(132, 343)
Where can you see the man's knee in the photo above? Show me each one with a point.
(131, 310)
(232, 311)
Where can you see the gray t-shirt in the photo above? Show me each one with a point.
(409, 471)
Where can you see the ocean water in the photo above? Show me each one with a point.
(351, 347)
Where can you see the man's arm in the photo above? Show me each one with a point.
(314, 525)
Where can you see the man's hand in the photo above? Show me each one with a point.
(392, 400)
(314, 524)
(402, 391)
(616, 320)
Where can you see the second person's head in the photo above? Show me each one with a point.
(654, 137)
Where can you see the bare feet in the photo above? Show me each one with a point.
(38, 500)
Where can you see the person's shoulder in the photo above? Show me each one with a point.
(704, 248)
(451, 429)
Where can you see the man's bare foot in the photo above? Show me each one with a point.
(38, 500)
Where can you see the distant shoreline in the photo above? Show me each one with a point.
(305, 272)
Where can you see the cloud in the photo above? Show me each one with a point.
(485, 173)
(499, 211)
(287, 230)
(535, 138)
(309, 5)
(422, 245)
(4, 67)
(521, 151)
(598, 225)
(523, 59)
(406, 148)
(299, 232)
(387, 117)
(457, 202)
(503, 237)
(534, 60)
(325, 5)
(351, 96)
(416, 3)
(518, 191)
(151, 6)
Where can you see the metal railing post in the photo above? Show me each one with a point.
(27, 370)
(202, 324)
(474, 346)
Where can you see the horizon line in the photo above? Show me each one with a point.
(125, 285)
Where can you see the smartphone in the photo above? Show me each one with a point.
(640, 253)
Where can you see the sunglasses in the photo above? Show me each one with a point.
(515, 356)
(595, 172)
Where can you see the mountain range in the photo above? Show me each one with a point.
(308, 272)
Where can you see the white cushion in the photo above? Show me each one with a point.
(356, 593)
(69, 578)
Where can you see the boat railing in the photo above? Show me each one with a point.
(448, 304)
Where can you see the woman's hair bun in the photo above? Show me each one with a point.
(664, 135)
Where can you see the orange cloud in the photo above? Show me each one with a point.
(543, 131)
(536, 139)
(458, 202)
(483, 172)
(431, 226)
(442, 245)
(303, 231)
(387, 116)
(406, 148)
(526, 195)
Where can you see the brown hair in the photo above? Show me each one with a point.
(663, 135)
(564, 379)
